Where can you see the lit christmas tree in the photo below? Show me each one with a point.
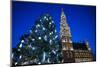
(40, 46)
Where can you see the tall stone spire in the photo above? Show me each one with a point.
(65, 29)
(65, 34)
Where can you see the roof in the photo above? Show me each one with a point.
(79, 46)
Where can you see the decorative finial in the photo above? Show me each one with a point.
(87, 44)
(62, 9)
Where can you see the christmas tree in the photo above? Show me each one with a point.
(40, 46)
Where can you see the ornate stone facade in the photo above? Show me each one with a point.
(72, 52)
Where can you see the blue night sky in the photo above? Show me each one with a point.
(81, 19)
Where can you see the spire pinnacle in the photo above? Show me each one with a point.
(62, 9)
(62, 12)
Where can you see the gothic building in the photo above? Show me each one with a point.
(71, 51)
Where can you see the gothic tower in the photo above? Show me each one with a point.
(65, 36)
(65, 33)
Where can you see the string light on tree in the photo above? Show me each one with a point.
(56, 36)
(36, 31)
(39, 63)
(50, 18)
(33, 48)
(15, 63)
(45, 38)
(12, 55)
(43, 28)
(22, 41)
(37, 25)
(50, 41)
(44, 17)
(50, 33)
(50, 23)
(47, 19)
(53, 51)
(20, 56)
(39, 38)
(29, 46)
(30, 31)
(20, 45)
(18, 49)
(55, 31)
(33, 39)
(40, 20)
